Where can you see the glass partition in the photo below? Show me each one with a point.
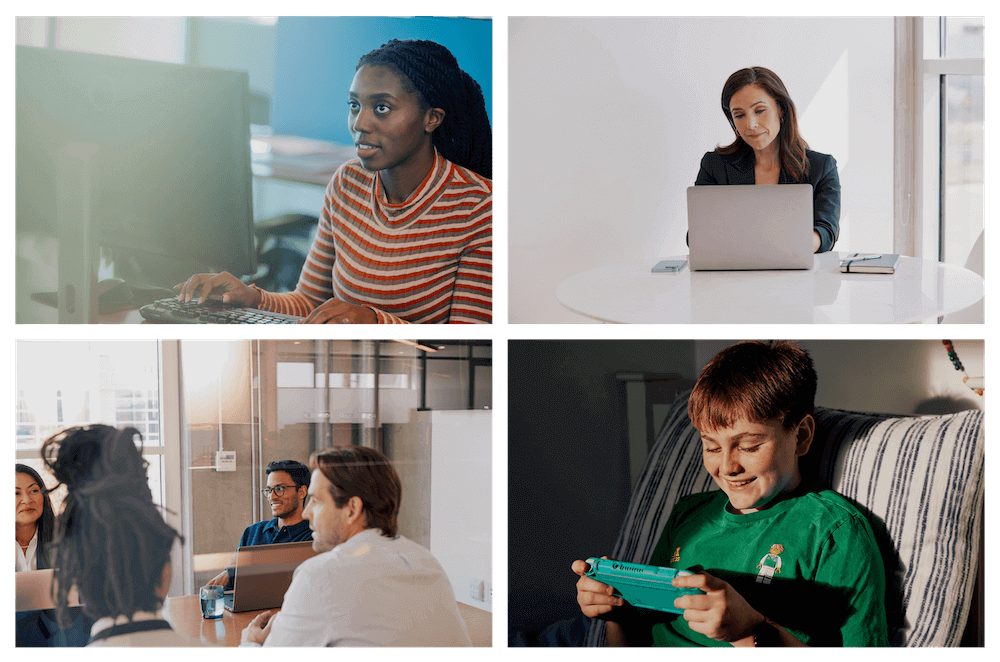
(272, 400)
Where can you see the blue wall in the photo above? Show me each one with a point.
(315, 60)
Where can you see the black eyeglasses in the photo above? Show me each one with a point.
(277, 489)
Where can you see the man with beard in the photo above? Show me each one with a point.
(287, 486)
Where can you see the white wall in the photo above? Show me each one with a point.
(887, 376)
(609, 118)
(461, 490)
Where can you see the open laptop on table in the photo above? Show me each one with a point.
(264, 573)
(741, 227)
(33, 591)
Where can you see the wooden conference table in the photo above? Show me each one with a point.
(919, 291)
(184, 614)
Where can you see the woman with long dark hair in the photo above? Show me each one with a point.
(405, 234)
(111, 541)
(34, 520)
(769, 149)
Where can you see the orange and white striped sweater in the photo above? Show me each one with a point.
(428, 260)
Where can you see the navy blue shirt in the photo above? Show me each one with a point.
(267, 532)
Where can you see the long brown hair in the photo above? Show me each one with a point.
(757, 381)
(791, 147)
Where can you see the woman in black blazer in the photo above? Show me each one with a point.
(769, 150)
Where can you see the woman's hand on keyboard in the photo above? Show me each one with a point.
(335, 311)
(232, 289)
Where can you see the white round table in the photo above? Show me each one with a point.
(919, 291)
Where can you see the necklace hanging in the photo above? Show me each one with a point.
(953, 355)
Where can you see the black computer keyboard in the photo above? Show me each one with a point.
(172, 311)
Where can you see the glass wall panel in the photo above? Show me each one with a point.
(274, 400)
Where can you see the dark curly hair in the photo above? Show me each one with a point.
(111, 541)
(428, 68)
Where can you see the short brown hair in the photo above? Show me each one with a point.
(756, 380)
(367, 474)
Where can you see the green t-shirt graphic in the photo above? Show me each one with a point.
(808, 562)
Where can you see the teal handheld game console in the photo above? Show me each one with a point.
(646, 586)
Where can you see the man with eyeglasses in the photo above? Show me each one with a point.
(287, 486)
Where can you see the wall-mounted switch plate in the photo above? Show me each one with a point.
(225, 461)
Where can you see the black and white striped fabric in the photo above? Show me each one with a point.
(919, 480)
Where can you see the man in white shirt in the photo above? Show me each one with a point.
(370, 586)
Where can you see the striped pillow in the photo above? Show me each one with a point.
(919, 480)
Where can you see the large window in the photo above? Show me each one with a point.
(950, 118)
(71, 383)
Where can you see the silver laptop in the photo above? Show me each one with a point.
(742, 227)
(264, 573)
(33, 590)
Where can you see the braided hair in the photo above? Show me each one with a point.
(111, 541)
(429, 69)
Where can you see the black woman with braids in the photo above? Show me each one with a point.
(405, 234)
(111, 541)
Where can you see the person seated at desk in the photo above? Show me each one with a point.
(369, 586)
(769, 150)
(405, 235)
(34, 520)
(34, 525)
(111, 541)
(287, 486)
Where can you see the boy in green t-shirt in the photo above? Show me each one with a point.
(780, 564)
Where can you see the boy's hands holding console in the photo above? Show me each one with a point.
(596, 600)
(721, 613)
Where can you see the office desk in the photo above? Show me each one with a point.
(919, 291)
(184, 615)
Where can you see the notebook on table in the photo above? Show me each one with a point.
(264, 573)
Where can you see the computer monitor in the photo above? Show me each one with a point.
(148, 162)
